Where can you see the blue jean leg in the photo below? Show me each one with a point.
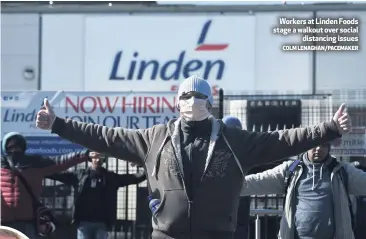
(92, 230)
(101, 232)
(85, 231)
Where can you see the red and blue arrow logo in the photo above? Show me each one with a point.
(203, 46)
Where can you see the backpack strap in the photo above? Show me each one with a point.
(288, 177)
(344, 178)
(236, 158)
(290, 172)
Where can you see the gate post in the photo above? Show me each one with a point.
(221, 103)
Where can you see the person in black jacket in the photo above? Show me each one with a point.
(95, 203)
(244, 203)
(243, 220)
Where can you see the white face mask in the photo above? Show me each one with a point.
(194, 109)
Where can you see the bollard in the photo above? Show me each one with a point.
(221, 103)
(258, 227)
(259, 213)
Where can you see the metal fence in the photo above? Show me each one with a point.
(134, 216)
(262, 112)
(130, 199)
(273, 111)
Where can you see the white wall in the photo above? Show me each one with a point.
(343, 70)
(64, 56)
(262, 66)
(276, 70)
(63, 52)
(19, 50)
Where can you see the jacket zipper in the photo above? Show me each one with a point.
(190, 202)
(185, 192)
(188, 199)
(12, 195)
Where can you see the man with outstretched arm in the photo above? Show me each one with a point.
(195, 165)
(95, 197)
(319, 194)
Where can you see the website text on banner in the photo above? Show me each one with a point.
(114, 109)
(352, 144)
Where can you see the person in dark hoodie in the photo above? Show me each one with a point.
(194, 164)
(16, 203)
(319, 194)
(241, 231)
(95, 197)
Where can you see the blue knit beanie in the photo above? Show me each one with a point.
(197, 84)
(232, 122)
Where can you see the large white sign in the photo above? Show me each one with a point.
(238, 52)
(147, 53)
(155, 53)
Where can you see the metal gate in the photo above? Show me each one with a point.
(314, 108)
(133, 214)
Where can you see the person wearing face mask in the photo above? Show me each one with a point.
(95, 197)
(17, 209)
(194, 164)
(319, 194)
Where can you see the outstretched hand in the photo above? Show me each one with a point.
(342, 119)
(46, 116)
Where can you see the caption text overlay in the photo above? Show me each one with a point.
(320, 34)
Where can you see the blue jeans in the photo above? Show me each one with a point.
(92, 230)
(27, 228)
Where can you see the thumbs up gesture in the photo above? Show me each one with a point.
(342, 119)
(46, 116)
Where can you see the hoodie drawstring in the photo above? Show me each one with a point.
(313, 178)
(321, 175)
(321, 171)
(157, 159)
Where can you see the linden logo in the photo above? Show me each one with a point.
(11, 233)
